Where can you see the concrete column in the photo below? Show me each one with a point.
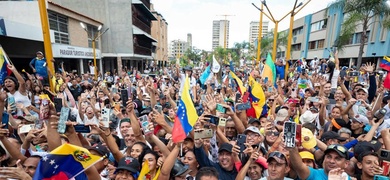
(351, 63)
(100, 66)
(81, 61)
(119, 63)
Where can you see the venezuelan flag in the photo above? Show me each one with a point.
(385, 63)
(269, 69)
(65, 162)
(241, 87)
(186, 115)
(4, 71)
(257, 98)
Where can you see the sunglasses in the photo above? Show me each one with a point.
(270, 99)
(278, 155)
(340, 148)
(275, 133)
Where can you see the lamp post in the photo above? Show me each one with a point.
(259, 36)
(290, 30)
(94, 38)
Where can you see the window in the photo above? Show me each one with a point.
(296, 47)
(358, 37)
(319, 25)
(92, 33)
(317, 44)
(59, 24)
(383, 34)
(297, 31)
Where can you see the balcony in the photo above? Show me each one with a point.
(140, 24)
(146, 3)
(142, 50)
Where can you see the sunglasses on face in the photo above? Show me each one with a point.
(270, 133)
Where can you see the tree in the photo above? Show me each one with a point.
(359, 12)
(267, 42)
(240, 47)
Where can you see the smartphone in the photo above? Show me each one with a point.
(105, 112)
(289, 133)
(269, 89)
(158, 108)
(144, 124)
(384, 154)
(221, 109)
(313, 99)
(198, 135)
(222, 122)
(44, 110)
(26, 128)
(379, 177)
(243, 106)
(38, 124)
(12, 105)
(353, 74)
(129, 92)
(117, 106)
(238, 96)
(213, 119)
(5, 120)
(58, 104)
(81, 128)
(63, 118)
(241, 139)
(265, 80)
(207, 133)
(379, 114)
(124, 97)
(114, 90)
(203, 97)
(358, 103)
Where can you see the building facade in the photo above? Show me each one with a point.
(160, 33)
(177, 49)
(220, 35)
(22, 35)
(314, 35)
(128, 43)
(254, 31)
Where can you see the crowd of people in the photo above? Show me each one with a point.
(341, 116)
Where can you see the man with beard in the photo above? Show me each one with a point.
(335, 156)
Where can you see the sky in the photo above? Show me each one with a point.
(196, 17)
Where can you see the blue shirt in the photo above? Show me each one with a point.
(318, 174)
(39, 65)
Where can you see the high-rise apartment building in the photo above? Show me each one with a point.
(177, 48)
(189, 40)
(160, 33)
(220, 33)
(254, 31)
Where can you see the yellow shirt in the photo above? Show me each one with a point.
(57, 84)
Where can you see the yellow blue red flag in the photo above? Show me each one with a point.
(256, 97)
(186, 115)
(65, 162)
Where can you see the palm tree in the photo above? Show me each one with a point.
(359, 12)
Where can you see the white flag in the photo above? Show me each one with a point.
(215, 68)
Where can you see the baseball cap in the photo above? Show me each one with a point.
(314, 109)
(361, 119)
(362, 89)
(306, 155)
(128, 164)
(308, 117)
(252, 120)
(225, 147)
(253, 129)
(262, 162)
(339, 149)
(39, 52)
(308, 139)
(340, 123)
(278, 156)
(281, 115)
(179, 168)
(331, 135)
(102, 150)
(365, 146)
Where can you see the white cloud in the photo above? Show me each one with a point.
(196, 16)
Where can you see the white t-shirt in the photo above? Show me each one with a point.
(92, 70)
(334, 79)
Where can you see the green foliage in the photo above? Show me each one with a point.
(359, 12)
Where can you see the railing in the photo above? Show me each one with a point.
(144, 27)
(142, 50)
